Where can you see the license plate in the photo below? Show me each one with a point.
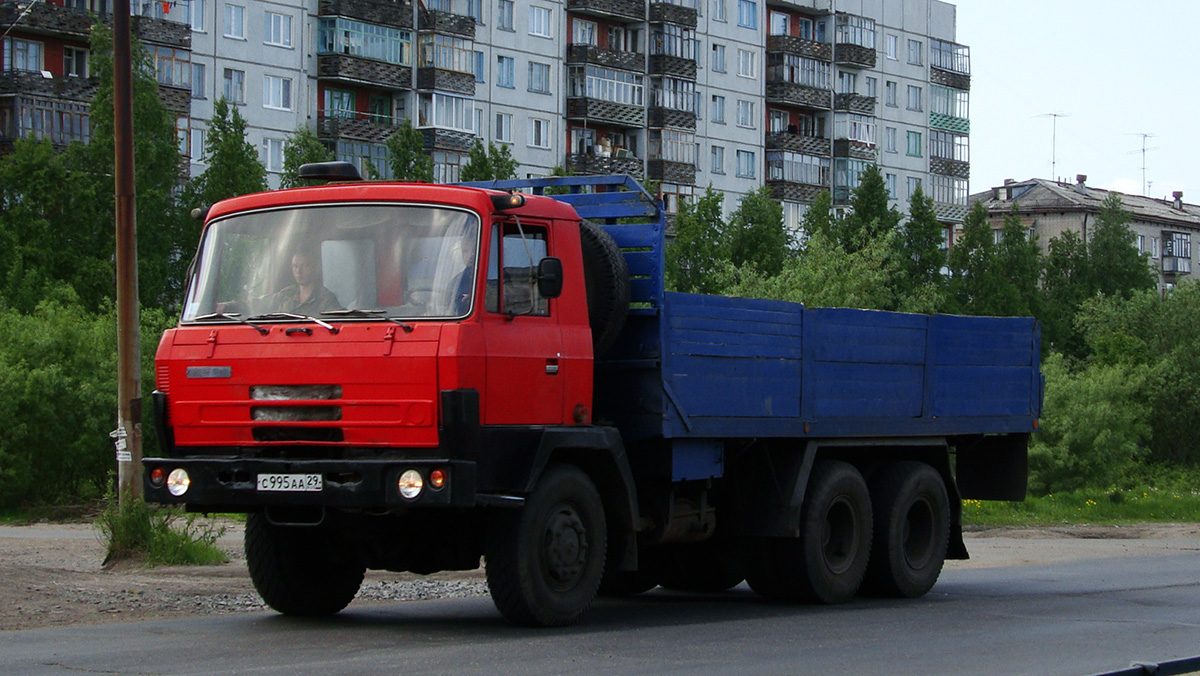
(296, 483)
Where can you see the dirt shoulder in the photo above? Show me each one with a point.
(53, 573)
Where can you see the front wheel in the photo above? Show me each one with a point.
(301, 570)
(545, 560)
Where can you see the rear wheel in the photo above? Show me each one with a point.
(827, 562)
(301, 570)
(545, 560)
(912, 529)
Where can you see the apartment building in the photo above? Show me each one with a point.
(801, 95)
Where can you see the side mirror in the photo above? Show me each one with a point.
(550, 277)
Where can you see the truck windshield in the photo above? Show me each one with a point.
(389, 260)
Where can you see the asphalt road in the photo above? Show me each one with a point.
(1074, 619)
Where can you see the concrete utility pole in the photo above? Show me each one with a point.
(129, 372)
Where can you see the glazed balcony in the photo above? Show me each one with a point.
(627, 11)
(950, 64)
(47, 19)
(359, 70)
(60, 121)
(382, 12)
(606, 58)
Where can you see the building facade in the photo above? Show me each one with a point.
(1163, 228)
(800, 95)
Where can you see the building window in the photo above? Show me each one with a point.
(277, 30)
(777, 120)
(606, 84)
(747, 63)
(718, 159)
(914, 144)
(196, 145)
(235, 22)
(199, 78)
(477, 57)
(745, 164)
(446, 112)
(718, 10)
(539, 132)
(505, 68)
(745, 114)
(949, 102)
(890, 90)
(948, 189)
(797, 168)
(504, 123)
(778, 23)
(748, 14)
(22, 54)
(675, 93)
(890, 181)
(277, 92)
(718, 58)
(673, 40)
(852, 127)
(273, 154)
(891, 48)
(583, 32)
(539, 22)
(672, 146)
(889, 139)
(173, 67)
(75, 62)
(339, 103)
(380, 109)
(914, 52)
(345, 36)
(504, 15)
(945, 145)
(1154, 247)
(872, 86)
(446, 52)
(475, 10)
(718, 109)
(847, 82)
(914, 97)
(914, 182)
(795, 69)
(855, 30)
(539, 77)
(195, 13)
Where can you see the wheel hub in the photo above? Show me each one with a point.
(564, 547)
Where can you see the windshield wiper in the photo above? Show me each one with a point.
(290, 315)
(408, 328)
(233, 317)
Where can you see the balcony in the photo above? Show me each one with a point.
(620, 10)
(850, 55)
(606, 58)
(854, 103)
(451, 140)
(597, 165)
(957, 125)
(798, 95)
(430, 78)
(354, 126)
(665, 12)
(662, 116)
(58, 120)
(448, 23)
(671, 66)
(382, 12)
(809, 49)
(680, 173)
(950, 64)
(946, 166)
(597, 110)
(48, 19)
(787, 191)
(856, 150)
(798, 143)
(359, 70)
(950, 213)
(948, 79)
(1175, 265)
(32, 83)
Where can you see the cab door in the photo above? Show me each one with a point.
(521, 331)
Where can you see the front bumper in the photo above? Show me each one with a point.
(231, 484)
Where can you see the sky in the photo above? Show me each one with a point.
(1114, 69)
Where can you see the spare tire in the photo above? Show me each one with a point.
(606, 278)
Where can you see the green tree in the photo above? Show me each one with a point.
(1016, 269)
(972, 267)
(918, 251)
(697, 250)
(303, 146)
(818, 217)
(756, 234)
(233, 166)
(407, 156)
(1066, 284)
(871, 217)
(1117, 268)
(489, 163)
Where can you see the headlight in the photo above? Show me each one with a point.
(410, 484)
(178, 482)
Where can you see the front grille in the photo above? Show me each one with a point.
(325, 434)
(296, 413)
(295, 392)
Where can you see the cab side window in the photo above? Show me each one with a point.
(512, 270)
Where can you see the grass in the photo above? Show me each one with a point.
(1092, 506)
(157, 535)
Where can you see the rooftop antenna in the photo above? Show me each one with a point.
(1054, 142)
(1143, 151)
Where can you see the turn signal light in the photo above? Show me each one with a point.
(437, 479)
(158, 476)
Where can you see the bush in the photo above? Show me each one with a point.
(157, 535)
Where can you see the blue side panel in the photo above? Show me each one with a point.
(981, 366)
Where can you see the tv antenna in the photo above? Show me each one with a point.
(1054, 141)
(1143, 151)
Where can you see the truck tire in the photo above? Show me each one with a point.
(701, 567)
(912, 529)
(827, 562)
(544, 562)
(300, 570)
(606, 278)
